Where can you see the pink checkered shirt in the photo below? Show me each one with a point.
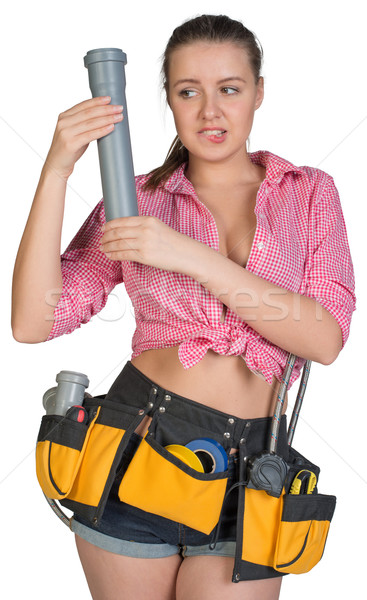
(300, 244)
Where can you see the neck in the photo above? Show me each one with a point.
(238, 170)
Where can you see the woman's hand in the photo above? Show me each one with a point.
(76, 128)
(149, 241)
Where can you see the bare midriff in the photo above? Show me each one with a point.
(224, 383)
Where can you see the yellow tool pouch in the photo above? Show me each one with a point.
(281, 535)
(158, 482)
(302, 533)
(60, 449)
(77, 463)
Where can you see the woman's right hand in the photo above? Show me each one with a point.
(76, 128)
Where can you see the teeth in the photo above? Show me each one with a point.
(217, 132)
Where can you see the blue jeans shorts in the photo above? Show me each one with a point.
(129, 531)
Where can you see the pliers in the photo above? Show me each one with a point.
(304, 482)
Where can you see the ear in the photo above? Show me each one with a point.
(259, 93)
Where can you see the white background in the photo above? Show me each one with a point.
(314, 113)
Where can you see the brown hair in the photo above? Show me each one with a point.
(214, 28)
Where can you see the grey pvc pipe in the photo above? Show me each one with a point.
(106, 71)
(69, 392)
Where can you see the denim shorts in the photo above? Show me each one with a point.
(126, 530)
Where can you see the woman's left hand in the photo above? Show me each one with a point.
(149, 241)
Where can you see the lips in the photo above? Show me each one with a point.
(216, 132)
(216, 136)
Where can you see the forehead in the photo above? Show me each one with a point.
(201, 60)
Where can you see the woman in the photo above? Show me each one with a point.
(229, 269)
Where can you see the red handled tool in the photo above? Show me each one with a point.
(77, 413)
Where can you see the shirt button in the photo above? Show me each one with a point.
(260, 245)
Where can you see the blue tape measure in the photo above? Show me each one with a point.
(211, 453)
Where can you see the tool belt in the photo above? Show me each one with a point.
(280, 529)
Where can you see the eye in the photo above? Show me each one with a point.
(187, 93)
(229, 90)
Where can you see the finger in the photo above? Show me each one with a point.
(123, 222)
(92, 125)
(91, 102)
(117, 240)
(83, 139)
(122, 251)
(88, 116)
(80, 132)
(125, 234)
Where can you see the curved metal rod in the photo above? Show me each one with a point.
(58, 512)
(299, 400)
(273, 441)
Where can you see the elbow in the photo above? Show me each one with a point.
(328, 359)
(26, 338)
(29, 325)
(330, 352)
(330, 341)
(25, 335)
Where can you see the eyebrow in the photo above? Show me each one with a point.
(226, 79)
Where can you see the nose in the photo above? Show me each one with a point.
(210, 107)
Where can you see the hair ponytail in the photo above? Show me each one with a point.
(177, 154)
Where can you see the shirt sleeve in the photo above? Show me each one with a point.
(331, 275)
(87, 277)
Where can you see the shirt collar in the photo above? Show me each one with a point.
(276, 167)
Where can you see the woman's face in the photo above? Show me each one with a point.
(213, 97)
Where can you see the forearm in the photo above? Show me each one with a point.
(37, 280)
(293, 322)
